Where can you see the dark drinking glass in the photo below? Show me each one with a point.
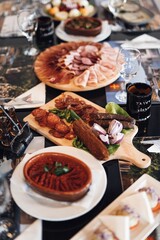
(45, 32)
(139, 101)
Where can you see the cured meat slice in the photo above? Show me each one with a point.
(92, 79)
(82, 79)
(106, 71)
(100, 76)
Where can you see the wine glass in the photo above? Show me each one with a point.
(28, 23)
(115, 5)
(127, 63)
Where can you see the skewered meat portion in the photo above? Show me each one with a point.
(94, 145)
(104, 119)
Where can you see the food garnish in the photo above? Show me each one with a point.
(113, 135)
(68, 114)
(114, 108)
(58, 169)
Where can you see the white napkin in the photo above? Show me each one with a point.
(34, 231)
(10, 27)
(36, 144)
(38, 94)
(154, 148)
(144, 41)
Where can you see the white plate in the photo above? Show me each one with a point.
(105, 33)
(142, 230)
(51, 210)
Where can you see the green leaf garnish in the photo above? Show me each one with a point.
(113, 148)
(114, 108)
(67, 114)
(58, 169)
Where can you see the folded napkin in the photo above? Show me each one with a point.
(37, 98)
(34, 231)
(155, 148)
(144, 41)
(36, 144)
(10, 27)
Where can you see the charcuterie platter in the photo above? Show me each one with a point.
(77, 66)
(126, 150)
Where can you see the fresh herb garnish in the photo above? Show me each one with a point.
(58, 169)
(67, 114)
(78, 144)
(112, 148)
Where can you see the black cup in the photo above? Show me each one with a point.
(139, 101)
(45, 32)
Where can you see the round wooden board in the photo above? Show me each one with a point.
(44, 68)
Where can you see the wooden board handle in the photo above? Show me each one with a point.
(128, 152)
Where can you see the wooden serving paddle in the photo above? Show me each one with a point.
(128, 152)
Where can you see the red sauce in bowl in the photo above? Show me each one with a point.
(58, 176)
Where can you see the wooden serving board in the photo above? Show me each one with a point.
(126, 151)
(44, 68)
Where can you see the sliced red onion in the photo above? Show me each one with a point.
(104, 138)
(116, 138)
(99, 129)
(115, 127)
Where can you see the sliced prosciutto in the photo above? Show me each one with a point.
(100, 76)
(82, 80)
(79, 63)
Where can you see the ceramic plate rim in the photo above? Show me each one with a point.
(25, 201)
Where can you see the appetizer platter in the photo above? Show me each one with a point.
(77, 66)
(135, 221)
(46, 122)
(56, 210)
(61, 10)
